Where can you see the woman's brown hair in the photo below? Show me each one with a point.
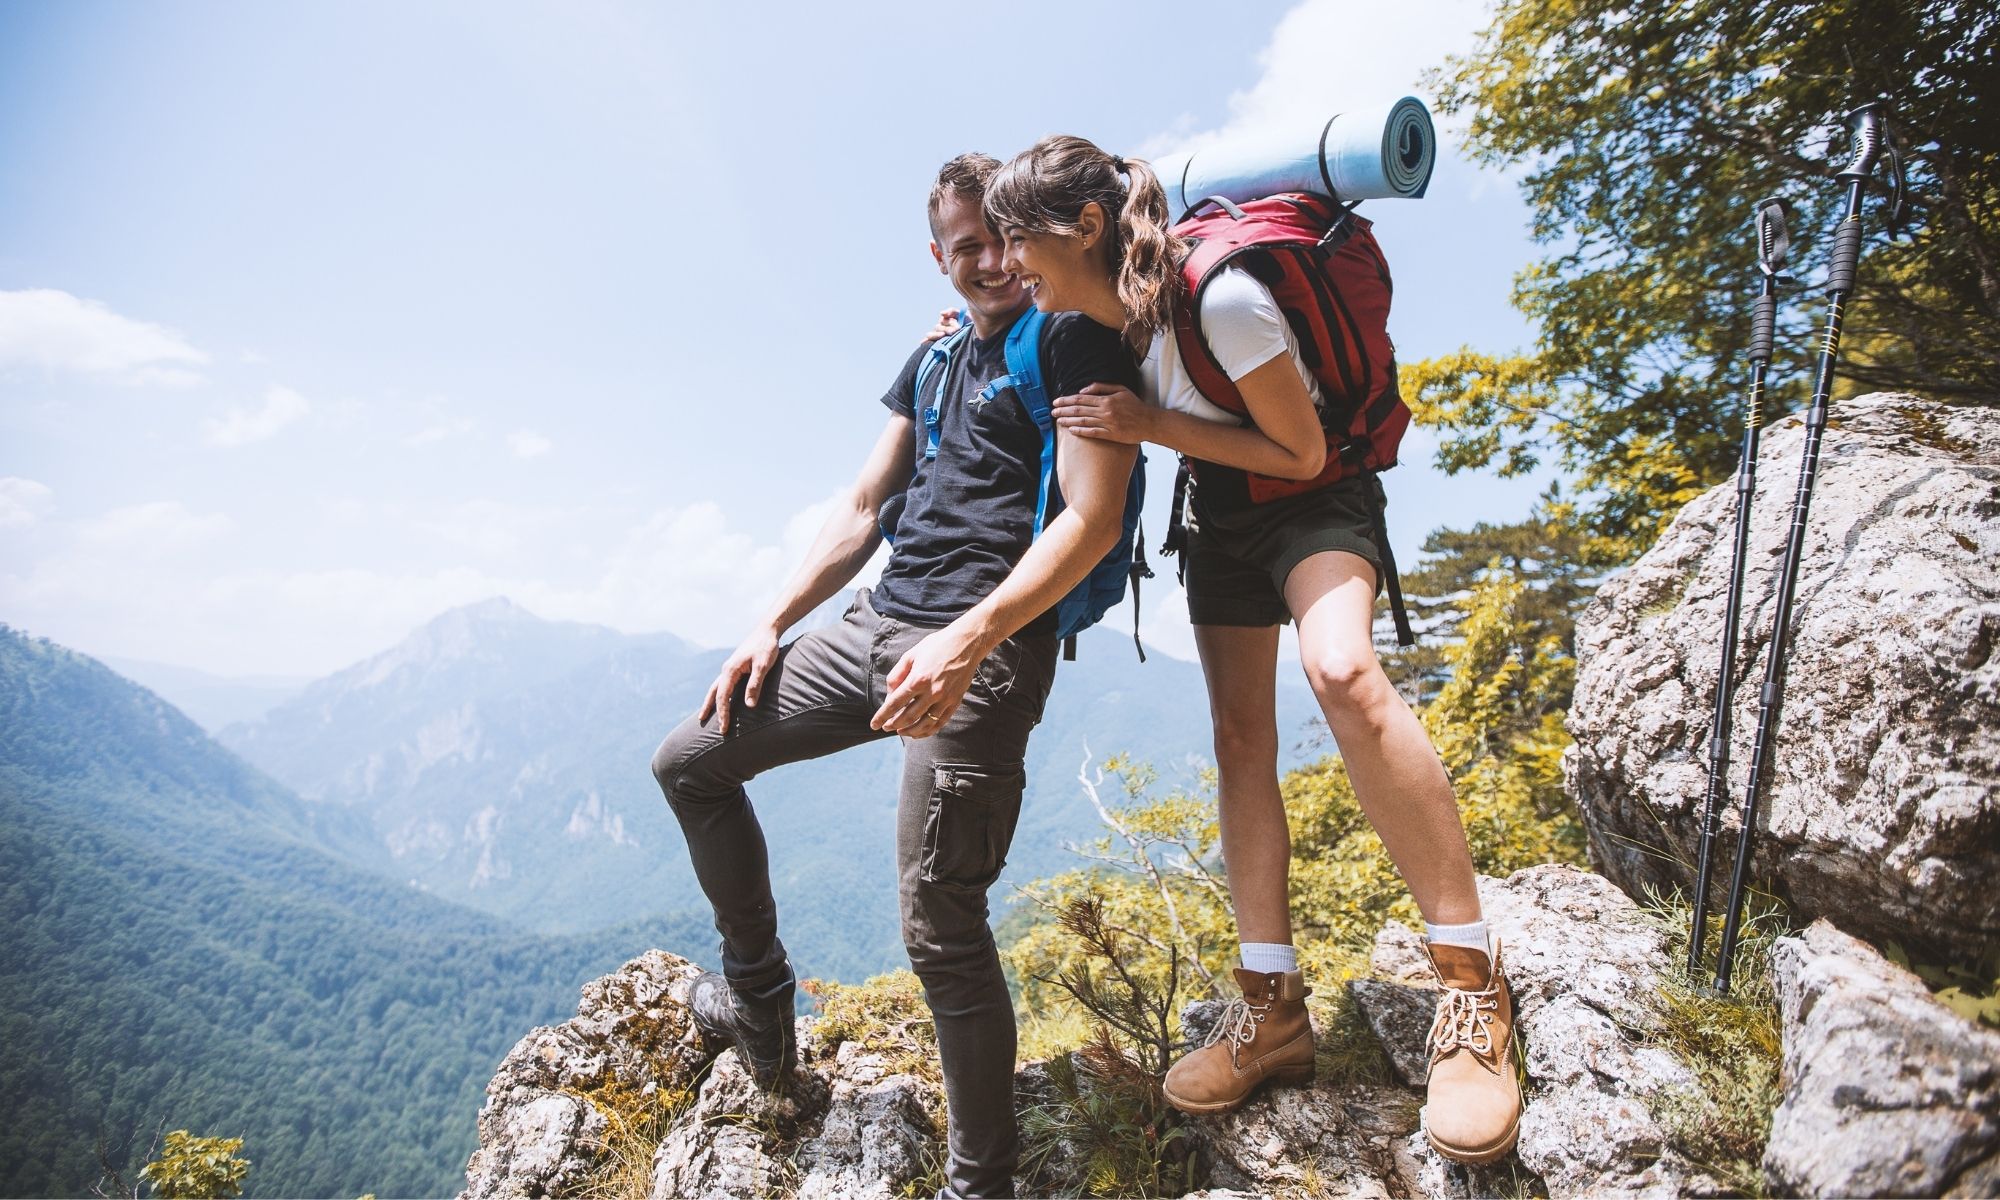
(1043, 190)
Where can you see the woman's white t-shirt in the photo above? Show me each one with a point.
(1243, 326)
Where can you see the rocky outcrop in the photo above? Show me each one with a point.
(1880, 805)
(568, 1100)
(861, 1122)
(1886, 1091)
(541, 1133)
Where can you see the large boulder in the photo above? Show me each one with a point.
(1879, 808)
(1886, 1091)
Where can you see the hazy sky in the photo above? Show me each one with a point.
(317, 319)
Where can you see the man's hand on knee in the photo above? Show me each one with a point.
(753, 658)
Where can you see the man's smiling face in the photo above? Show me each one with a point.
(969, 252)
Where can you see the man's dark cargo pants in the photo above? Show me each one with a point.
(961, 796)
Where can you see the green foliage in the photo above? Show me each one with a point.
(1497, 724)
(1155, 887)
(1343, 884)
(1732, 1043)
(1647, 134)
(1108, 1119)
(1545, 554)
(197, 1168)
(1104, 1129)
(1970, 989)
(887, 1014)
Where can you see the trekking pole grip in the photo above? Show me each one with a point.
(1865, 126)
(1773, 243)
(1846, 253)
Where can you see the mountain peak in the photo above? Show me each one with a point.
(492, 610)
(454, 634)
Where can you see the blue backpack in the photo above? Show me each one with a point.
(1104, 587)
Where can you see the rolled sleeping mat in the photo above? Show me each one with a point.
(1384, 152)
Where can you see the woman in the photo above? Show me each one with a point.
(1087, 231)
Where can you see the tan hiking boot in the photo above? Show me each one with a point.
(1473, 1111)
(1264, 1035)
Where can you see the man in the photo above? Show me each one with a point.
(954, 649)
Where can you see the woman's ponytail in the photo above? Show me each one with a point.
(1149, 274)
(1044, 189)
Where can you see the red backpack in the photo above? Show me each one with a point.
(1327, 274)
(1330, 280)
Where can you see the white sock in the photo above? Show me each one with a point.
(1269, 958)
(1473, 935)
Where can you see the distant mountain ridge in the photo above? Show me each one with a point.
(180, 947)
(212, 701)
(503, 762)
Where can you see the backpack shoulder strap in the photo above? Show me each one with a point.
(936, 365)
(1024, 375)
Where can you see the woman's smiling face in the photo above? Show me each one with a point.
(1056, 268)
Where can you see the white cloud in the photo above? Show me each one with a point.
(52, 331)
(158, 529)
(1327, 55)
(526, 443)
(441, 431)
(491, 528)
(23, 502)
(240, 426)
(161, 582)
(685, 569)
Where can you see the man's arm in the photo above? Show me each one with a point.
(925, 688)
(845, 541)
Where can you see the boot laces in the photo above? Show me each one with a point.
(1239, 1024)
(1465, 1018)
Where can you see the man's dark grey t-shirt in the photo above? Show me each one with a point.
(970, 512)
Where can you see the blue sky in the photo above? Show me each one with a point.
(318, 319)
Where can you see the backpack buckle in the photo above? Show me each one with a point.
(1336, 234)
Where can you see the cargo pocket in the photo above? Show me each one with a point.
(970, 824)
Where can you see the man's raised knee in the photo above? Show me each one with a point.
(674, 754)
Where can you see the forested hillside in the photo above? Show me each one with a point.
(176, 950)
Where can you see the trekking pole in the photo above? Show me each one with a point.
(1773, 242)
(1865, 127)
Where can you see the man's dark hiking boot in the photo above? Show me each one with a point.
(762, 1034)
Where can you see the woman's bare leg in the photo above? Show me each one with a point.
(1397, 777)
(1241, 666)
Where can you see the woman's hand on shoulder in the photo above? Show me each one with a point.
(947, 324)
(1108, 411)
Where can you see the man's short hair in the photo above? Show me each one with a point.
(965, 177)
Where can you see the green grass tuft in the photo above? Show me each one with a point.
(886, 1015)
(636, 1121)
(1731, 1043)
